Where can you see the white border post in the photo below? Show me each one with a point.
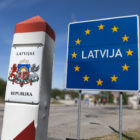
(29, 81)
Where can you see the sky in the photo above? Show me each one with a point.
(58, 14)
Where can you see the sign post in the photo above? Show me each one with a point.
(120, 116)
(79, 116)
(29, 81)
(103, 55)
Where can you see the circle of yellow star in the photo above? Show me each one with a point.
(129, 52)
(101, 27)
(125, 67)
(74, 55)
(114, 78)
(99, 82)
(87, 31)
(86, 78)
(76, 68)
(115, 29)
(78, 41)
(125, 38)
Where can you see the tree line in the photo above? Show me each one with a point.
(2, 88)
(74, 94)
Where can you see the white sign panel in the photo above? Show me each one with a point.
(24, 74)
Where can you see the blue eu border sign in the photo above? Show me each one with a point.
(103, 54)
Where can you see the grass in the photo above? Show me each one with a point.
(127, 135)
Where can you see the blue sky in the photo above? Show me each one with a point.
(58, 13)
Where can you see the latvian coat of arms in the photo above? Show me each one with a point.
(24, 73)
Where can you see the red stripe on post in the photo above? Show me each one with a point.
(35, 24)
(27, 134)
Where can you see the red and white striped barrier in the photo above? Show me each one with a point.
(29, 81)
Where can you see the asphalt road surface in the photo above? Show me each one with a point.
(95, 121)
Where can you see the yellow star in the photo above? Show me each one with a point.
(125, 38)
(86, 78)
(87, 32)
(115, 29)
(129, 52)
(74, 55)
(101, 27)
(78, 41)
(76, 68)
(99, 82)
(114, 78)
(125, 67)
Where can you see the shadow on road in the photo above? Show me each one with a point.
(127, 137)
(95, 123)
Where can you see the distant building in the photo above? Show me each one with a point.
(68, 97)
(134, 99)
(116, 95)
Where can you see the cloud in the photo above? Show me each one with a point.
(5, 3)
(73, 17)
(14, 3)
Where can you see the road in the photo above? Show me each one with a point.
(95, 121)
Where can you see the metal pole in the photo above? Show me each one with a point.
(120, 117)
(79, 116)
